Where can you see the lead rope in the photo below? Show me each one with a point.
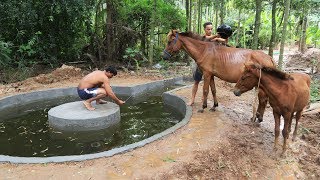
(254, 110)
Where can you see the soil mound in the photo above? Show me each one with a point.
(63, 73)
(308, 62)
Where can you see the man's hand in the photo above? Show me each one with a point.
(121, 102)
(219, 40)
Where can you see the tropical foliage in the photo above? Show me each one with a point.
(132, 32)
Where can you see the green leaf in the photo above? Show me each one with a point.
(168, 159)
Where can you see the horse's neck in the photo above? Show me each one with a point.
(194, 48)
(271, 85)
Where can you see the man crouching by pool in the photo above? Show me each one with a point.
(95, 86)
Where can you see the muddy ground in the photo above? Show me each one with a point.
(214, 145)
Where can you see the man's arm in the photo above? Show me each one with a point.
(110, 93)
(210, 38)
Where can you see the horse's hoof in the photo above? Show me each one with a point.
(260, 120)
(216, 104)
(212, 109)
(204, 106)
(200, 110)
(293, 138)
(256, 124)
(275, 148)
(283, 154)
(253, 119)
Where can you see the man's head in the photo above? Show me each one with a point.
(111, 71)
(224, 31)
(207, 28)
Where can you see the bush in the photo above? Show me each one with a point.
(314, 90)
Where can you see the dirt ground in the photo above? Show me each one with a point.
(214, 145)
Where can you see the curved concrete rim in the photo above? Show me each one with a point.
(168, 97)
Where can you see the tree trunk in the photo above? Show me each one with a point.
(188, 27)
(193, 18)
(303, 35)
(199, 17)
(257, 24)
(274, 26)
(222, 11)
(244, 37)
(238, 29)
(216, 21)
(152, 25)
(109, 44)
(284, 32)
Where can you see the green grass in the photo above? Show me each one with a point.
(314, 90)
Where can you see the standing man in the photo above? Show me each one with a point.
(223, 33)
(95, 86)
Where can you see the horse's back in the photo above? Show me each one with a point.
(257, 56)
(301, 79)
(301, 83)
(262, 58)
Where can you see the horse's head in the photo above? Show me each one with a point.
(173, 45)
(248, 80)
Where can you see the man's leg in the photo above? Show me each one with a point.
(87, 103)
(194, 92)
(101, 101)
(101, 93)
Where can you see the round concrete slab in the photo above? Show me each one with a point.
(75, 117)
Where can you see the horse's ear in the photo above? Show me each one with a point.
(288, 76)
(257, 66)
(248, 65)
(243, 68)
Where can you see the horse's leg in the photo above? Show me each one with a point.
(289, 128)
(298, 116)
(276, 129)
(285, 133)
(263, 100)
(213, 91)
(206, 77)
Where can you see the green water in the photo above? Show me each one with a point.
(29, 134)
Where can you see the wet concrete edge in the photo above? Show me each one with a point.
(169, 98)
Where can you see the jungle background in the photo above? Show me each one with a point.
(132, 33)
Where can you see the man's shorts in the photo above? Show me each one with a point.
(197, 75)
(87, 93)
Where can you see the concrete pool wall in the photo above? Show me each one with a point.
(178, 103)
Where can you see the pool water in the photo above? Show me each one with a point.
(29, 134)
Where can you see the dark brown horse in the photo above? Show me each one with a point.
(288, 93)
(217, 60)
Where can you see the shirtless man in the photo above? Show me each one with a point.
(95, 86)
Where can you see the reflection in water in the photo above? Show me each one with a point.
(28, 133)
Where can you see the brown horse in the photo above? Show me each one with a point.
(217, 60)
(288, 93)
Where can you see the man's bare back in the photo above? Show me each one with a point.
(95, 86)
(94, 79)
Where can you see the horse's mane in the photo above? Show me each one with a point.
(276, 73)
(194, 36)
(198, 37)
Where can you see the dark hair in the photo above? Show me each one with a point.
(112, 70)
(224, 31)
(206, 24)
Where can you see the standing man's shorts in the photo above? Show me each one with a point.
(197, 75)
(87, 93)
